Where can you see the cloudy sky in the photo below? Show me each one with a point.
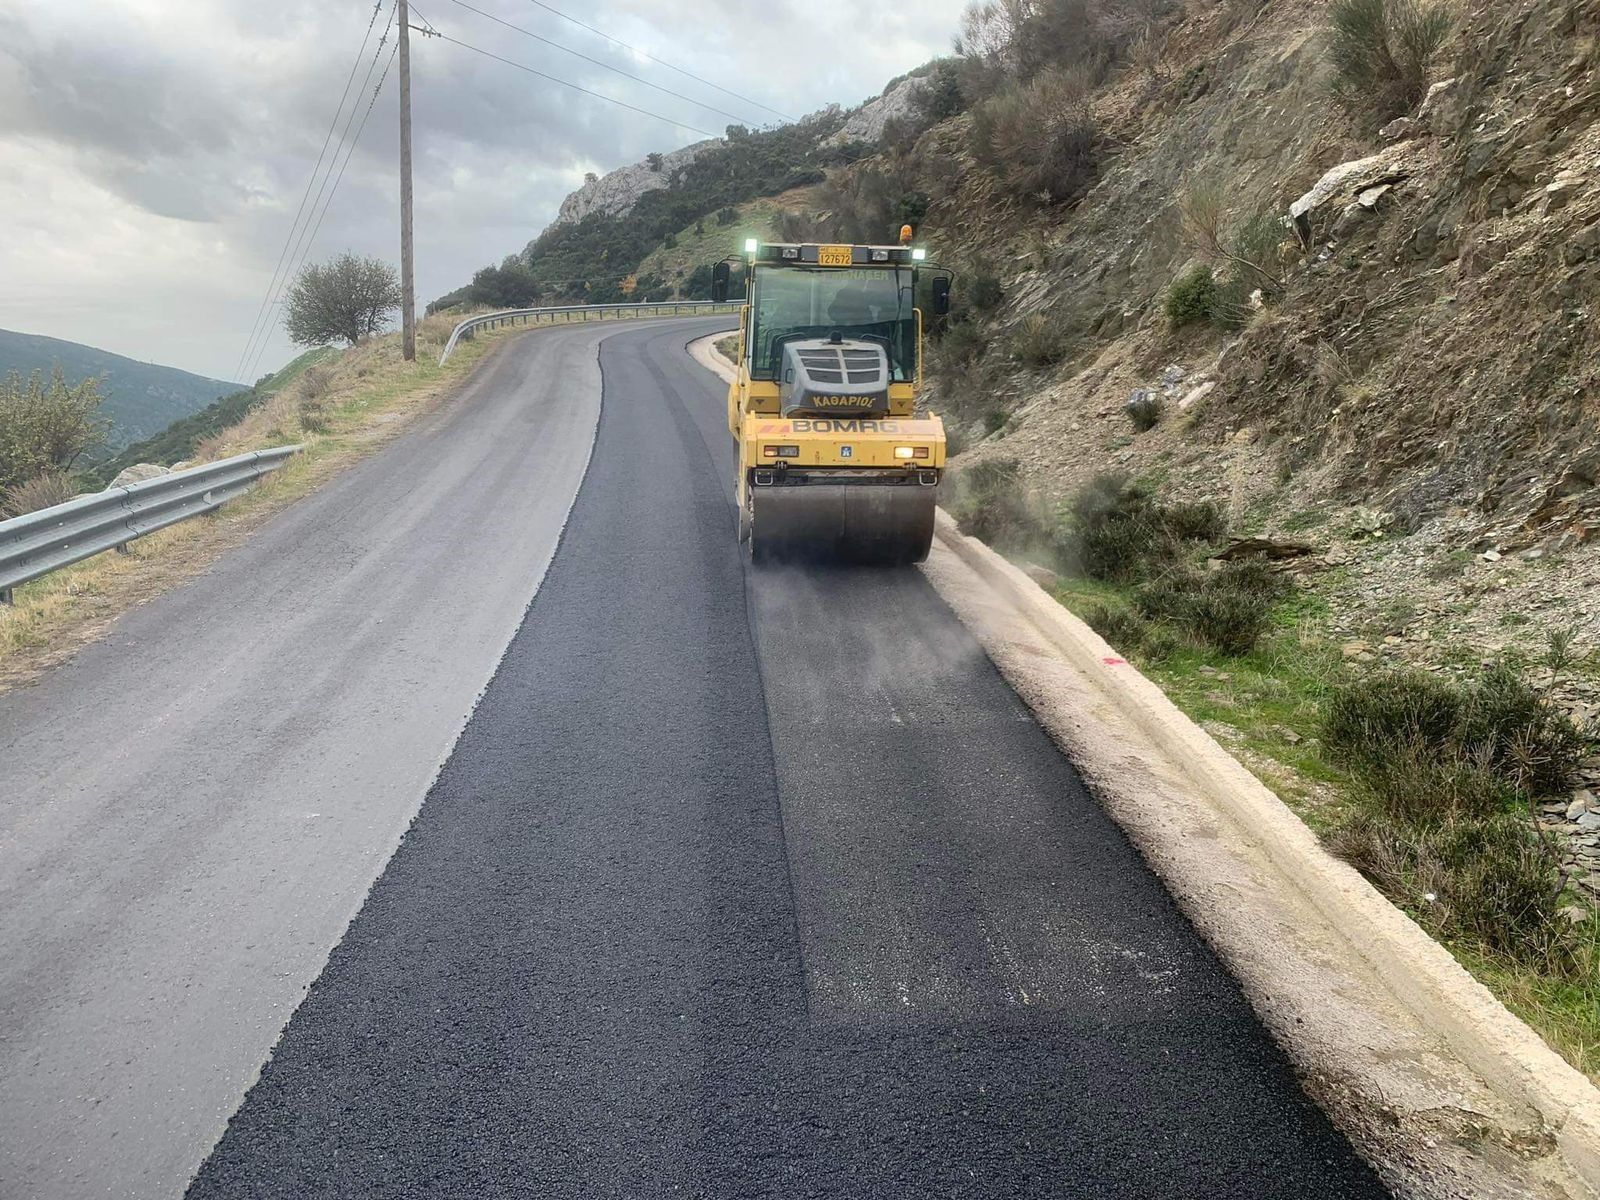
(153, 153)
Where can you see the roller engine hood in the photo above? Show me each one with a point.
(847, 377)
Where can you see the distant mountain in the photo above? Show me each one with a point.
(140, 398)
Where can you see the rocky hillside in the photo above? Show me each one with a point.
(1412, 349)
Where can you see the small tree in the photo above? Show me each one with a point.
(346, 300)
(45, 428)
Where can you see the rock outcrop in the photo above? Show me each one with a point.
(866, 124)
(138, 473)
(615, 193)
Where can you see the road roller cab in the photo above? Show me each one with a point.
(835, 461)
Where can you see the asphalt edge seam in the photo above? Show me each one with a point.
(473, 377)
(690, 348)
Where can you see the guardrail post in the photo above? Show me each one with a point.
(7, 597)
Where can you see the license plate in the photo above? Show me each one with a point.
(833, 256)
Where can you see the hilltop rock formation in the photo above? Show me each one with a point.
(616, 192)
(867, 122)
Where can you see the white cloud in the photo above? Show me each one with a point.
(153, 152)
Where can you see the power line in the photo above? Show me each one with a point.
(350, 151)
(604, 65)
(346, 145)
(283, 254)
(661, 61)
(644, 112)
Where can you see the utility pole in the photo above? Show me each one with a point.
(408, 279)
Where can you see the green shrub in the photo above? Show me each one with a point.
(1498, 722)
(990, 503)
(1227, 610)
(1500, 886)
(1377, 715)
(1145, 409)
(1415, 785)
(1382, 52)
(1038, 139)
(984, 292)
(1192, 521)
(1229, 622)
(1037, 341)
(1525, 736)
(45, 426)
(1119, 532)
(1121, 627)
(1191, 296)
(1483, 879)
(1252, 577)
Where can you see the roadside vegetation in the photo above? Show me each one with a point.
(176, 443)
(341, 405)
(46, 425)
(1383, 53)
(347, 299)
(1429, 783)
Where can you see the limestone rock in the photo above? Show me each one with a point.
(1558, 195)
(616, 193)
(138, 473)
(1347, 180)
(867, 122)
(1043, 576)
(1398, 129)
(1441, 107)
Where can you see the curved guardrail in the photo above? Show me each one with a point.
(40, 542)
(584, 312)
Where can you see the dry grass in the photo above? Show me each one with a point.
(362, 399)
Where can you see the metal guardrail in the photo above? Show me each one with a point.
(565, 314)
(52, 538)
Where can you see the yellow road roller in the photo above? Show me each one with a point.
(835, 462)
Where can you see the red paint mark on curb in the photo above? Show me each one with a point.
(1115, 662)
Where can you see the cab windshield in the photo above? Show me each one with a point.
(796, 303)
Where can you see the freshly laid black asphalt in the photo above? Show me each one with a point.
(747, 884)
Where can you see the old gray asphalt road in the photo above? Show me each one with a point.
(744, 885)
(192, 811)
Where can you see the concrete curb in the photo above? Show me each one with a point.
(1548, 1114)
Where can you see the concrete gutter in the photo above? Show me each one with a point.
(1444, 1090)
(1441, 1088)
